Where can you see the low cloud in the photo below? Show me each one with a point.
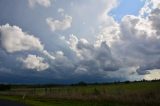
(13, 39)
(59, 24)
(138, 41)
(90, 56)
(45, 3)
(34, 62)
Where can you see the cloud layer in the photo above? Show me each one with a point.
(125, 50)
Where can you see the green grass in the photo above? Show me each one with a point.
(132, 94)
(40, 102)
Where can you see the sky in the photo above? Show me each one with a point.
(67, 41)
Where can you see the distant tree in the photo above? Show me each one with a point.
(82, 83)
(144, 80)
(127, 82)
(4, 87)
(116, 82)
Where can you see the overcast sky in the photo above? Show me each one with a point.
(67, 41)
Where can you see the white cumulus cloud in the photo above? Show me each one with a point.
(59, 24)
(34, 62)
(13, 39)
(45, 3)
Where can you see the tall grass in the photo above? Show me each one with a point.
(140, 93)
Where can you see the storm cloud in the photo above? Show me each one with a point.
(128, 49)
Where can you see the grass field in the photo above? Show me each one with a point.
(121, 94)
